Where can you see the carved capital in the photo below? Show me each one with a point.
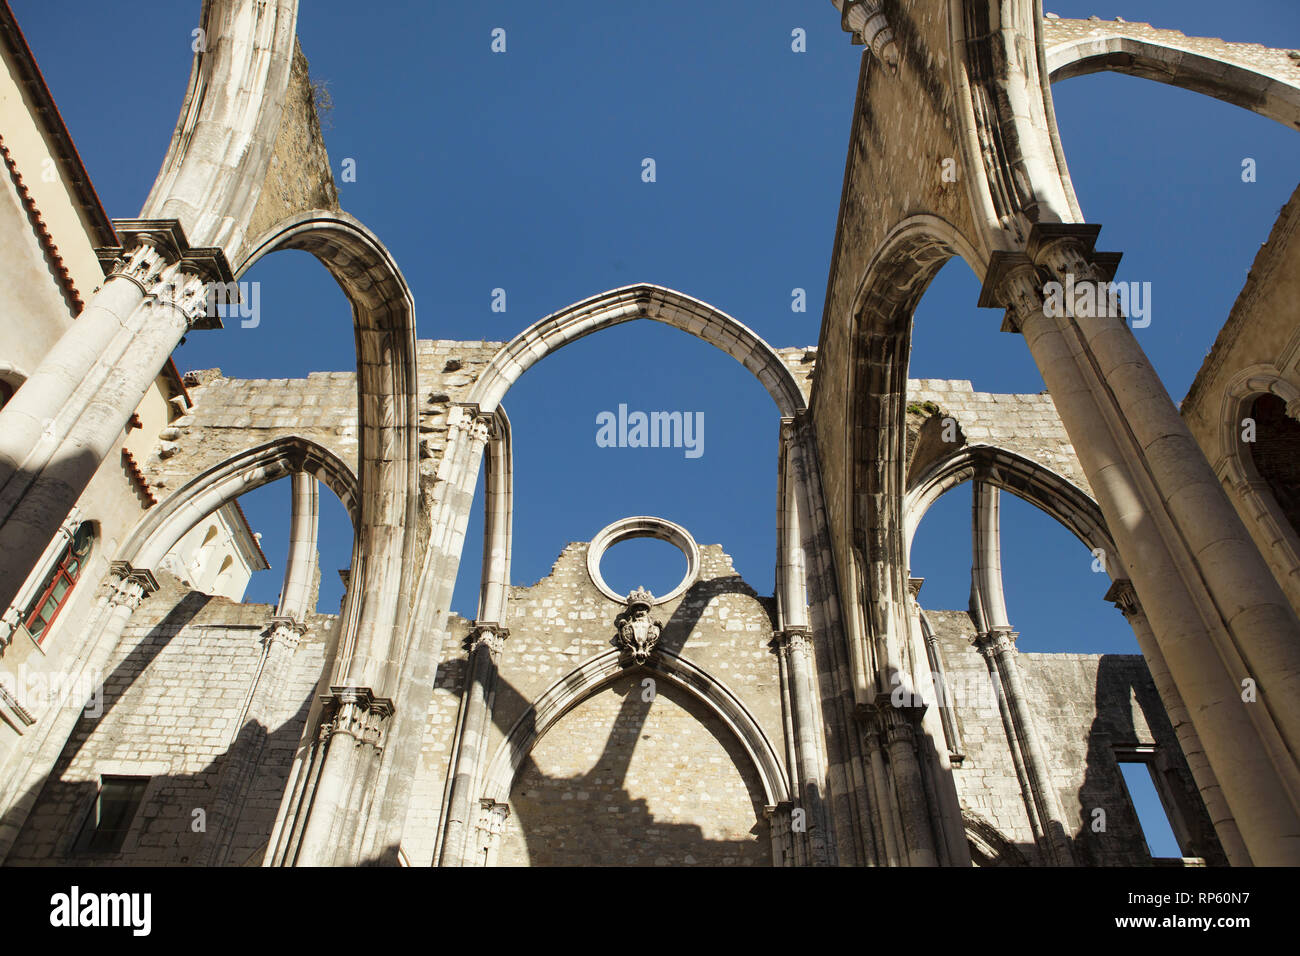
(156, 256)
(1122, 594)
(473, 423)
(792, 640)
(892, 718)
(864, 21)
(357, 713)
(490, 635)
(997, 640)
(129, 586)
(492, 815)
(286, 631)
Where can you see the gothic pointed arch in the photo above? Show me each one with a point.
(589, 677)
(643, 301)
(1242, 74)
(165, 524)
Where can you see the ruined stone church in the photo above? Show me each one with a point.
(148, 715)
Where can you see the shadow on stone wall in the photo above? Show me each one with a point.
(163, 832)
(620, 829)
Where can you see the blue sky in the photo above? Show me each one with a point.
(522, 171)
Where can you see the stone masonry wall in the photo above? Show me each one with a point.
(1087, 708)
(719, 624)
(173, 694)
(231, 415)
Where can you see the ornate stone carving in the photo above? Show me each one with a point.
(792, 640)
(284, 630)
(156, 256)
(491, 636)
(357, 713)
(1122, 594)
(129, 586)
(636, 632)
(867, 24)
(998, 640)
(473, 423)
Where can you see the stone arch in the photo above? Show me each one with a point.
(1022, 477)
(588, 678)
(643, 301)
(875, 429)
(377, 608)
(988, 846)
(1153, 59)
(1236, 466)
(169, 521)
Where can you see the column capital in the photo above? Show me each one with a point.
(914, 587)
(1124, 596)
(892, 717)
(995, 640)
(473, 421)
(357, 713)
(1061, 247)
(867, 26)
(489, 634)
(155, 255)
(791, 639)
(129, 585)
(284, 629)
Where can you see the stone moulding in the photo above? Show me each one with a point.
(643, 526)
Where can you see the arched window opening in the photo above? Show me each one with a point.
(6, 393)
(58, 588)
(1276, 453)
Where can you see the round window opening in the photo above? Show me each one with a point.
(662, 558)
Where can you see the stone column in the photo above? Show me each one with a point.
(1122, 595)
(778, 825)
(491, 821)
(351, 739)
(897, 732)
(989, 610)
(1216, 611)
(932, 747)
(944, 693)
(300, 564)
(62, 432)
(794, 648)
(882, 792)
(485, 644)
(1036, 827)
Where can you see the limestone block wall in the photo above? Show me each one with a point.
(667, 764)
(172, 697)
(1089, 710)
(622, 782)
(1025, 424)
(1256, 352)
(299, 175)
(231, 414)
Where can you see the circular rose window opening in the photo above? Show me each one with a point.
(625, 569)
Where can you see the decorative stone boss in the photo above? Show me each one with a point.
(636, 632)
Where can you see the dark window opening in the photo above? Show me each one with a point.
(115, 807)
(1276, 453)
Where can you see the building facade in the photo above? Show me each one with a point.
(837, 721)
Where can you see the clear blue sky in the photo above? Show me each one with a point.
(522, 171)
